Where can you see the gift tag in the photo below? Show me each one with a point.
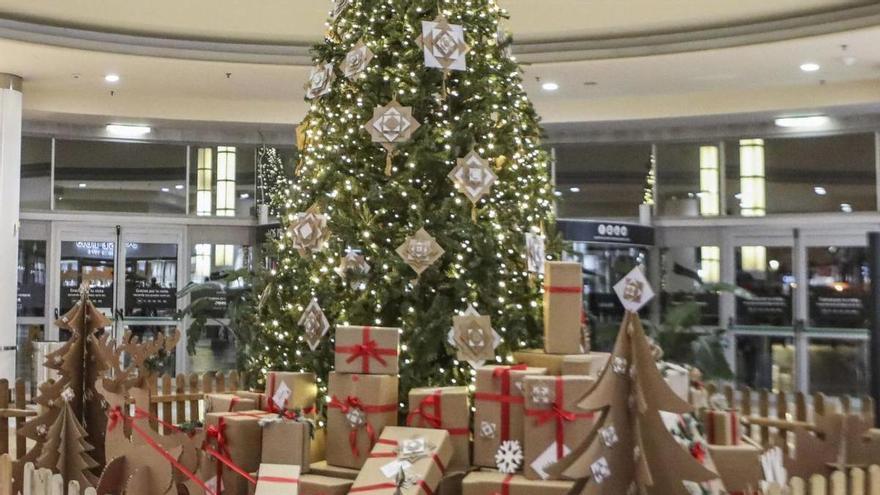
(282, 393)
(547, 459)
(393, 468)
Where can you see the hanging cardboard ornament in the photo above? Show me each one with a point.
(472, 334)
(535, 254)
(633, 290)
(320, 81)
(352, 262)
(357, 60)
(315, 324)
(391, 124)
(443, 45)
(473, 176)
(420, 251)
(309, 232)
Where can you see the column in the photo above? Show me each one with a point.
(10, 185)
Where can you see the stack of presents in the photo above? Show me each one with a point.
(523, 419)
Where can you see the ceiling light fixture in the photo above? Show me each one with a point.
(549, 86)
(810, 67)
(165, 189)
(574, 189)
(244, 196)
(803, 122)
(846, 207)
(112, 78)
(83, 185)
(179, 187)
(819, 190)
(125, 130)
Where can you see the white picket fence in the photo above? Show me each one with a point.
(38, 481)
(857, 482)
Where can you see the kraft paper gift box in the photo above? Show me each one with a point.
(590, 364)
(228, 403)
(563, 308)
(405, 461)
(287, 442)
(446, 408)
(289, 391)
(739, 466)
(499, 409)
(257, 397)
(277, 479)
(311, 484)
(722, 427)
(451, 483)
(553, 424)
(238, 437)
(360, 407)
(323, 469)
(493, 482)
(367, 350)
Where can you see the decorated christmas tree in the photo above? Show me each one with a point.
(420, 177)
(629, 449)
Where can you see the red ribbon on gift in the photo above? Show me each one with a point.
(505, 486)
(433, 419)
(563, 290)
(390, 486)
(232, 403)
(221, 453)
(366, 350)
(396, 444)
(278, 479)
(712, 434)
(558, 412)
(353, 402)
(505, 397)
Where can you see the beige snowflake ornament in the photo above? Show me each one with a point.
(443, 45)
(357, 60)
(309, 231)
(473, 176)
(315, 324)
(473, 336)
(391, 125)
(420, 251)
(320, 81)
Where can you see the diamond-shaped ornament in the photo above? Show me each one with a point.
(308, 231)
(601, 470)
(315, 324)
(443, 45)
(633, 290)
(352, 262)
(609, 436)
(473, 336)
(320, 81)
(356, 417)
(392, 124)
(473, 176)
(356, 60)
(541, 394)
(488, 429)
(420, 251)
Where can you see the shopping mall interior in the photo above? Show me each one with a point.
(731, 149)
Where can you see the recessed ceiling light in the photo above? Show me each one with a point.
(549, 86)
(244, 195)
(112, 78)
(807, 121)
(125, 130)
(557, 193)
(846, 207)
(820, 190)
(165, 189)
(574, 189)
(178, 187)
(810, 67)
(83, 185)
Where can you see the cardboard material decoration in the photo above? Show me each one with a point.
(391, 125)
(446, 408)
(316, 484)
(238, 437)
(473, 336)
(563, 364)
(314, 323)
(322, 468)
(739, 466)
(816, 451)
(443, 45)
(492, 482)
(291, 391)
(420, 251)
(367, 350)
(360, 407)
(287, 442)
(405, 461)
(228, 403)
(278, 479)
(66, 450)
(563, 308)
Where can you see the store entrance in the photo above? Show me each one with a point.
(132, 272)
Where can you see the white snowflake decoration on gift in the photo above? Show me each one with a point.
(601, 470)
(509, 457)
(619, 365)
(443, 45)
(320, 81)
(541, 394)
(42, 430)
(609, 436)
(68, 394)
(488, 429)
(473, 176)
(315, 324)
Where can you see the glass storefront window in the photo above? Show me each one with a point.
(31, 278)
(688, 179)
(223, 181)
(601, 180)
(92, 262)
(839, 286)
(765, 362)
(765, 272)
(800, 175)
(150, 279)
(36, 173)
(838, 367)
(120, 177)
(686, 270)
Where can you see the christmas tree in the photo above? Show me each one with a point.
(420, 176)
(66, 450)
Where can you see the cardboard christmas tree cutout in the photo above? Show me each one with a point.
(66, 450)
(629, 450)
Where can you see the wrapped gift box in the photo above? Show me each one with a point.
(739, 466)
(257, 397)
(360, 407)
(405, 461)
(590, 364)
(228, 403)
(315, 484)
(722, 427)
(289, 391)
(499, 409)
(493, 482)
(277, 479)
(563, 308)
(237, 436)
(553, 423)
(446, 408)
(287, 442)
(367, 350)
(321, 468)
(451, 483)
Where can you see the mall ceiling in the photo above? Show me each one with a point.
(649, 60)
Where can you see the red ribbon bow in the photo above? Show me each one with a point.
(354, 402)
(366, 350)
(430, 402)
(505, 397)
(558, 412)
